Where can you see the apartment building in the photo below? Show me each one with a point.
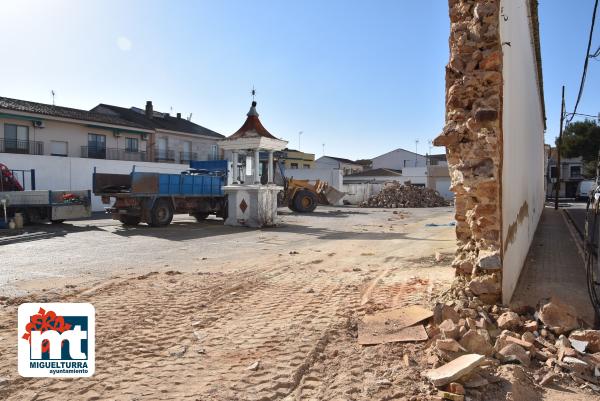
(105, 132)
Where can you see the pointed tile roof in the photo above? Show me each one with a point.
(252, 128)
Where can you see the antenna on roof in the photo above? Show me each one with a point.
(253, 93)
(53, 94)
(190, 117)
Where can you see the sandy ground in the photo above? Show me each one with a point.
(182, 312)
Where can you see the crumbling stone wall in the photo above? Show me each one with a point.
(473, 140)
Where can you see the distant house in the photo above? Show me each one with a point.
(347, 166)
(377, 176)
(437, 160)
(571, 174)
(398, 159)
(295, 159)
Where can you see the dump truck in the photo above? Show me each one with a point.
(39, 205)
(153, 198)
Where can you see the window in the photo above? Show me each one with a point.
(306, 165)
(553, 172)
(59, 148)
(214, 152)
(132, 145)
(575, 171)
(294, 165)
(97, 146)
(16, 138)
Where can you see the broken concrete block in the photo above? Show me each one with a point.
(531, 326)
(449, 329)
(515, 353)
(559, 317)
(489, 260)
(448, 312)
(448, 344)
(579, 345)
(591, 336)
(528, 336)
(476, 343)
(502, 341)
(446, 395)
(254, 366)
(454, 370)
(456, 388)
(484, 285)
(508, 320)
(526, 345)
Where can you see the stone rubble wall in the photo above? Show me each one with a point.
(473, 140)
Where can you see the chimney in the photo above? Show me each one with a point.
(179, 116)
(149, 110)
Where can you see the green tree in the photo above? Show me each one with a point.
(581, 138)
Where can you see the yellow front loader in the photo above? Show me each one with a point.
(303, 197)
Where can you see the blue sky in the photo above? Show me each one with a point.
(362, 77)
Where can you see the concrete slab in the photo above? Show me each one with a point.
(554, 268)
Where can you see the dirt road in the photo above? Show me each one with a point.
(189, 321)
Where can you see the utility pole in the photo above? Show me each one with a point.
(558, 148)
(53, 94)
(323, 149)
(299, 135)
(416, 151)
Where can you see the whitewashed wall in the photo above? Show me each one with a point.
(523, 142)
(73, 173)
(360, 192)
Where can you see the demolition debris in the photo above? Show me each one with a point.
(473, 345)
(394, 195)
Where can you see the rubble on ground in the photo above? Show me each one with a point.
(473, 345)
(395, 195)
(470, 336)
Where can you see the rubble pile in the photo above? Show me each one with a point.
(472, 342)
(394, 195)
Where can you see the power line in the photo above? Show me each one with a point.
(585, 64)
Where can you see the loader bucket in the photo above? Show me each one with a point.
(332, 195)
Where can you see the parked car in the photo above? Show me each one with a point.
(584, 189)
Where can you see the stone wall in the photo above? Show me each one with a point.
(473, 140)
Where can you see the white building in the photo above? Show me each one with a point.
(398, 159)
(338, 163)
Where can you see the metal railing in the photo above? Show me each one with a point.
(164, 155)
(93, 152)
(21, 146)
(186, 157)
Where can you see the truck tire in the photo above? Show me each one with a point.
(161, 214)
(128, 220)
(305, 201)
(58, 221)
(200, 216)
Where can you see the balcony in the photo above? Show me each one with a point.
(164, 155)
(93, 152)
(186, 157)
(22, 147)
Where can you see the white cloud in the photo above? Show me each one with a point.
(124, 43)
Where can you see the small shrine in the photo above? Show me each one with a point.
(252, 199)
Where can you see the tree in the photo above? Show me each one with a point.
(581, 138)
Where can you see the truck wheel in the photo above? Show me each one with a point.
(128, 220)
(161, 214)
(305, 201)
(200, 216)
(58, 221)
